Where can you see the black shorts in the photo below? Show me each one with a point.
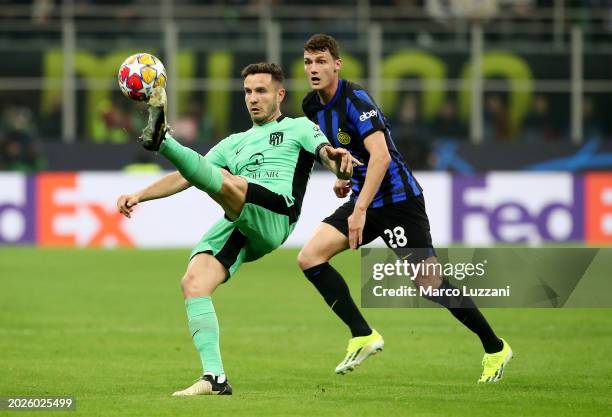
(403, 226)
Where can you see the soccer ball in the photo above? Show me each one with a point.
(138, 75)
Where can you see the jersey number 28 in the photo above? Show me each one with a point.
(396, 237)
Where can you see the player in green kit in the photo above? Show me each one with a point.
(258, 177)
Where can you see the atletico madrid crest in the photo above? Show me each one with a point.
(276, 138)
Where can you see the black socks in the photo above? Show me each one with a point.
(464, 310)
(336, 294)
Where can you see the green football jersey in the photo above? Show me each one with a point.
(278, 155)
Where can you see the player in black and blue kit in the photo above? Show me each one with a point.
(386, 201)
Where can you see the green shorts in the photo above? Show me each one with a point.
(265, 222)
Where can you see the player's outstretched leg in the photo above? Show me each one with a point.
(203, 275)
(326, 242)
(192, 166)
(463, 308)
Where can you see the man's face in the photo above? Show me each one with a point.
(262, 96)
(321, 69)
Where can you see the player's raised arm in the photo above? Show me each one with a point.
(164, 187)
(337, 160)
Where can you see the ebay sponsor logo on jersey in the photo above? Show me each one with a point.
(367, 114)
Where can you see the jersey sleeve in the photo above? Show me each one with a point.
(217, 154)
(364, 114)
(312, 137)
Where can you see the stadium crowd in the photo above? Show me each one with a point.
(23, 126)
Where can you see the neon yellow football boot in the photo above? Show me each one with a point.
(495, 363)
(359, 349)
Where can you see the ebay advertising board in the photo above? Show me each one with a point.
(78, 209)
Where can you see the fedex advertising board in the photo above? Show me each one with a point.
(517, 208)
(532, 208)
(78, 209)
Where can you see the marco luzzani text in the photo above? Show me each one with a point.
(403, 269)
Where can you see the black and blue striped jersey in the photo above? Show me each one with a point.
(349, 118)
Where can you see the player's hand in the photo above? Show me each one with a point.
(356, 223)
(342, 188)
(344, 162)
(126, 204)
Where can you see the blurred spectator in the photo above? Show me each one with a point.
(18, 149)
(116, 124)
(446, 125)
(50, 123)
(496, 119)
(444, 10)
(411, 134)
(407, 124)
(539, 124)
(196, 125)
(591, 120)
(207, 131)
(186, 128)
(42, 10)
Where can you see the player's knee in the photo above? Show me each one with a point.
(307, 259)
(191, 284)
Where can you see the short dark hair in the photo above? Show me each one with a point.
(264, 68)
(322, 42)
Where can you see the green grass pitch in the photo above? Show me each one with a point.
(109, 327)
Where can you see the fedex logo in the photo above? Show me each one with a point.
(70, 214)
(17, 209)
(367, 114)
(53, 210)
(598, 207)
(517, 208)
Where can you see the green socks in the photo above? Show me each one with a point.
(192, 166)
(204, 329)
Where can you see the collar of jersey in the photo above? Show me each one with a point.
(277, 120)
(334, 98)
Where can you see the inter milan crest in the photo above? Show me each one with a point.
(276, 138)
(343, 137)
